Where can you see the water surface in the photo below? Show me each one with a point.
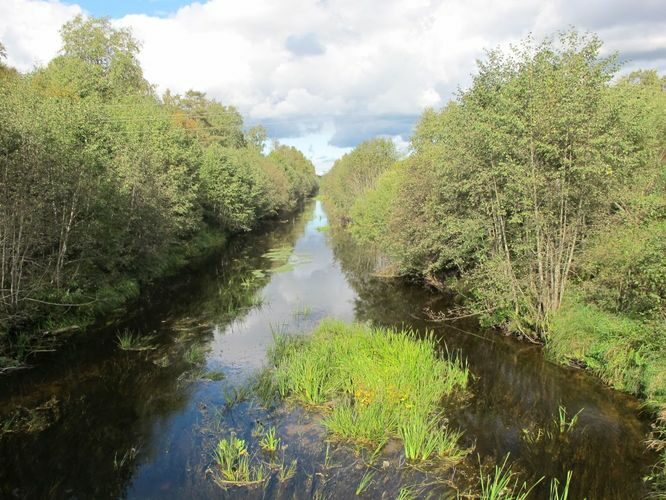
(93, 421)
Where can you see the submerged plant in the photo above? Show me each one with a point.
(195, 355)
(302, 311)
(563, 423)
(129, 341)
(503, 484)
(286, 472)
(555, 493)
(269, 441)
(364, 483)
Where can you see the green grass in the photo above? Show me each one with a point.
(365, 482)
(503, 483)
(234, 465)
(129, 341)
(302, 311)
(563, 423)
(627, 354)
(269, 442)
(195, 355)
(375, 384)
(213, 376)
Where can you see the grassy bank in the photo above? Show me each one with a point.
(626, 353)
(113, 295)
(374, 385)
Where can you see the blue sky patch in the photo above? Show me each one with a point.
(120, 8)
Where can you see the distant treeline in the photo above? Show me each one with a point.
(539, 194)
(104, 185)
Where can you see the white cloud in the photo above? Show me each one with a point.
(369, 67)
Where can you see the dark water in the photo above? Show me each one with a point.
(94, 421)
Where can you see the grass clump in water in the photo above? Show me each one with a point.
(270, 442)
(234, 466)
(377, 383)
(129, 341)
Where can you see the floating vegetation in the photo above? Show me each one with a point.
(374, 384)
(324, 229)
(129, 341)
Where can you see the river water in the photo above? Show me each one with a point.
(95, 421)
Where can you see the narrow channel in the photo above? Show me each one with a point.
(97, 421)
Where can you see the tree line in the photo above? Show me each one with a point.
(104, 185)
(538, 194)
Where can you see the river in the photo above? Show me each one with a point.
(95, 421)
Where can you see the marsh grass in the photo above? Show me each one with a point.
(234, 464)
(563, 423)
(374, 384)
(365, 482)
(269, 442)
(286, 472)
(555, 493)
(302, 311)
(236, 395)
(129, 341)
(195, 355)
(503, 483)
(213, 376)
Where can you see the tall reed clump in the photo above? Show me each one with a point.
(376, 384)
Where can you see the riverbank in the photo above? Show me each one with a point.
(147, 422)
(51, 324)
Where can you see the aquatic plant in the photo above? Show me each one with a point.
(565, 424)
(129, 341)
(375, 383)
(302, 311)
(425, 437)
(236, 395)
(234, 465)
(555, 493)
(213, 376)
(195, 355)
(269, 441)
(502, 483)
(285, 472)
(364, 483)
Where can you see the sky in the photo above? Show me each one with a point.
(324, 75)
